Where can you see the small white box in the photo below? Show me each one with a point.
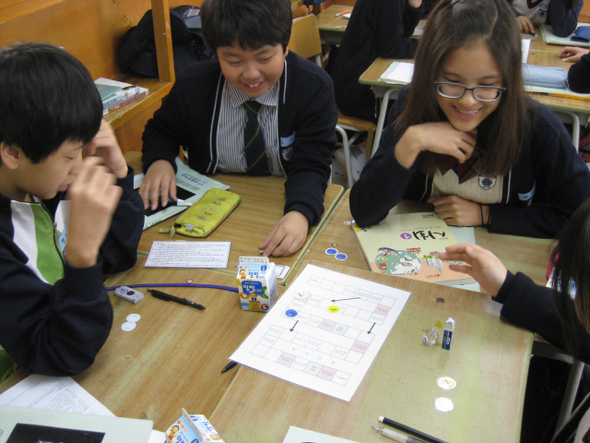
(257, 283)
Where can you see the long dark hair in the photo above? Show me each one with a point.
(571, 259)
(455, 24)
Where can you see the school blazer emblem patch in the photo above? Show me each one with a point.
(487, 183)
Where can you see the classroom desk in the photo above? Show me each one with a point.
(174, 357)
(263, 200)
(525, 254)
(331, 26)
(489, 361)
(576, 111)
(383, 91)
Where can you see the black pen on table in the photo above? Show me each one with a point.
(169, 297)
(230, 365)
(409, 430)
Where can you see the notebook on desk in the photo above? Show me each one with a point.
(407, 245)
(398, 73)
(552, 39)
(190, 187)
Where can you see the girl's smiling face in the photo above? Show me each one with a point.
(470, 66)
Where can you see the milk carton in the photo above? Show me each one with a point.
(257, 283)
(192, 429)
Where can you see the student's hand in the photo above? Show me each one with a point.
(572, 53)
(415, 3)
(438, 137)
(288, 236)
(526, 26)
(456, 211)
(104, 145)
(159, 183)
(93, 199)
(479, 263)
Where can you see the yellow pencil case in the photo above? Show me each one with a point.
(204, 216)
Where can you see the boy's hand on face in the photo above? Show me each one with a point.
(105, 145)
(479, 263)
(437, 137)
(93, 199)
(456, 211)
(288, 236)
(159, 183)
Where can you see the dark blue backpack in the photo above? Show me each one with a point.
(137, 52)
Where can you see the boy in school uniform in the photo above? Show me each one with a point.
(55, 314)
(209, 113)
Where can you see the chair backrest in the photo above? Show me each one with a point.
(305, 38)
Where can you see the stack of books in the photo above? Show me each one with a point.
(115, 94)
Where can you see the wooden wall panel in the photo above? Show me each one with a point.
(88, 29)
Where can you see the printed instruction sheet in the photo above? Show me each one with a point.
(324, 332)
(188, 254)
(53, 393)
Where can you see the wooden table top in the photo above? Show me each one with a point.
(174, 357)
(263, 201)
(328, 20)
(489, 361)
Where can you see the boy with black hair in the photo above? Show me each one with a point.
(55, 314)
(214, 109)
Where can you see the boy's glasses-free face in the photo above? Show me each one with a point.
(481, 93)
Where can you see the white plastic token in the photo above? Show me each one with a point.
(444, 404)
(128, 326)
(446, 383)
(133, 318)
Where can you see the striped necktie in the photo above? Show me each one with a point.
(254, 146)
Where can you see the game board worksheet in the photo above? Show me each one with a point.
(324, 332)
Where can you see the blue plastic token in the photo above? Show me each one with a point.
(341, 256)
(331, 251)
(291, 313)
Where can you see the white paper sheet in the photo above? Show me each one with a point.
(188, 254)
(53, 393)
(324, 332)
(399, 73)
(525, 46)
